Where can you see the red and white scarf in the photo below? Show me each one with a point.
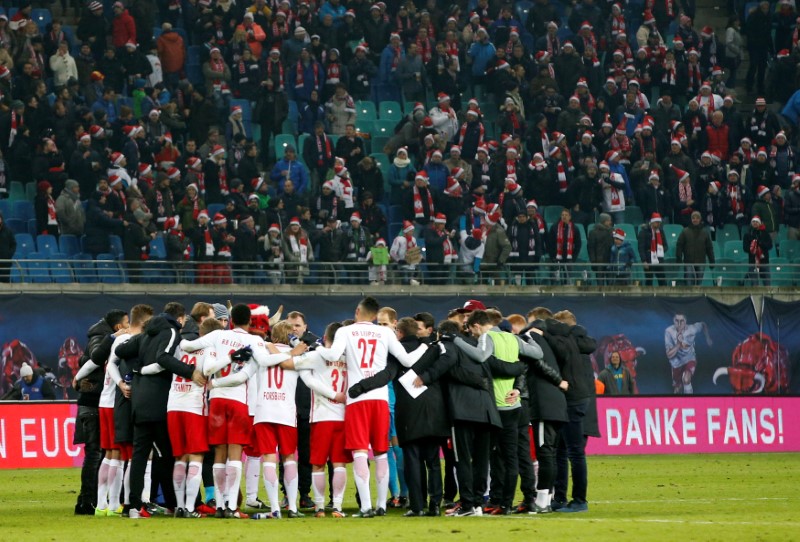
(51, 212)
(695, 79)
(568, 156)
(16, 123)
(122, 197)
(419, 208)
(735, 197)
(656, 246)
(650, 4)
(553, 45)
(270, 64)
(453, 52)
(684, 195)
(511, 168)
(324, 151)
(299, 247)
(333, 73)
(561, 237)
(669, 73)
(463, 133)
(545, 141)
(561, 177)
(181, 236)
(223, 181)
(424, 49)
(540, 223)
(299, 82)
(755, 247)
(706, 104)
(618, 25)
(396, 58)
(219, 67)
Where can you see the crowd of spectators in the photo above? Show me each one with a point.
(165, 120)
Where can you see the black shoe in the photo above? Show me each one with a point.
(220, 513)
(434, 512)
(414, 514)
(329, 506)
(179, 512)
(525, 507)
(403, 501)
(212, 503)
(292, 514)
(306, 502)
(380, 512)
(555, 505)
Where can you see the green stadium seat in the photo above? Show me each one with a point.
(365, 110)
(282, 141)
(390, 110)
(734, 251)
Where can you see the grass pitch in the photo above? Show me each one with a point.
(673, 498)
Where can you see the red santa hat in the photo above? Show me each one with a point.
(117, 158)
(421, 175)
(328, 185)
(219, 219)
(217, 150)
(762, 191)
(355, 217)
(715, 186)
(440, 218)
(706, 84)
(612, 155)
(493, 218)
(435, 153)
(619, 234)
(586, 25)
(587, 134)
(455, 149)
(453, 187)
(655, 217)
(653, 175)
(442, 97)
(756, 219)
(473, 102)
(145, 169)
(457, 172)
(761, 151)
(607, 122)
(532, 203)
(648, 17)
(408, 227)
(85, 135)
(381, 242)
(604, 166)
(484, 149)
(474, 112)
(202, 214)
(707, 31)
(256, 183)
(96, 131)
(680, 174)
(194, 163)
(622, 127)
(174, 173)
(172, 223)
(761, 101)
(294, 221)
(114, 180)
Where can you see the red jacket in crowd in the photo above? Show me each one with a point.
(123, 29)
(718, 138)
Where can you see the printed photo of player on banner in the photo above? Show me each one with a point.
(670, 345)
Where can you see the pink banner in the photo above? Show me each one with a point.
(38, 435)
(688, 424)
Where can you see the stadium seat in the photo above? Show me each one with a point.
(633, 214)
(390, 110)
(36, 268)
(365, 126)
(781, 272)
(734, 251)
(395, 216)
(158, 250)
(30, 189)
(383, 128)
(196, 54)
(408, 107)
(60, 271)
(382, 162)
(521, 9)
(25, 245)
(365, 110)
(552, 214)
(5, 208)
(790, 249)
(115, 242)
(672, 231)
(109, 271)
(23, 210)
(729, 232)
(281, 142)
(16, 191)
(301, 141)
(42, 17)
(69, 245)
(32, 227)
(630, 234)
(83, 269)
(47, 245)
(214, 208)
(17, 226)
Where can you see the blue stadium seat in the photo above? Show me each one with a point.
(30, 188)
(17, 226)
(23, 210)
(25, 245)
(158, 250)
(69, 245)
(47, 245)
(194, 73)
(83, 269)
(5, 208)
(790, 249)
(60, 271)
(282, 141)
(729, 232)
(42, 17)
(521, 9)
(109, 271)
(734, 251)
(382, 161)
(36, 269)
(115, 242)
(301, 141)
(383, 128)
(32, 227)
(247, 112)
(196, 54)
(16, 191)
(215, 208)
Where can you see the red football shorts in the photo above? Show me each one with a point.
(367, 423)
(107, 429)
(251, 450)
(274, 436)
(187, 433)
(327, 442)
(678, 372)
(228, 422)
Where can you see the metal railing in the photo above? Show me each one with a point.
(578, 274)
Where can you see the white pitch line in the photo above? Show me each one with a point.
(687, 521)
(626, 501)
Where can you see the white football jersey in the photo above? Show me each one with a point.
(325, 379)
(108, 395)
(184, 394)
(222, 343)
(366, 347)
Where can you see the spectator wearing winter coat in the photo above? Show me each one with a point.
(757, 244)
(599, 243)
(63, 65)
(791, 209)
(621, 259)
(693, 249)
(617, 378)
(497, 249)
(340, 110)
(172, 53)
(123, 27)
(653, 248)
(69, 210)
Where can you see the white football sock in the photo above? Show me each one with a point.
(252, 474)
(148, 481)
(115, 486)
(339, 485)
(271, 485)
(233, 476)
(102, 484)
(542, 498)
(318, 487)
(219, 484)
(193, 481)
(179, 483)
(688, 389)
(290, 482)
(382, 479)
(361, 471)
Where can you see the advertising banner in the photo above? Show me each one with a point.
(683, 345)
(38, 435)
(685, 425)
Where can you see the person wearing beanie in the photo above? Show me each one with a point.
(31, 386)
(653, 248)
(757, 243)
(497, 249)
(765, 208)
(621, 259)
